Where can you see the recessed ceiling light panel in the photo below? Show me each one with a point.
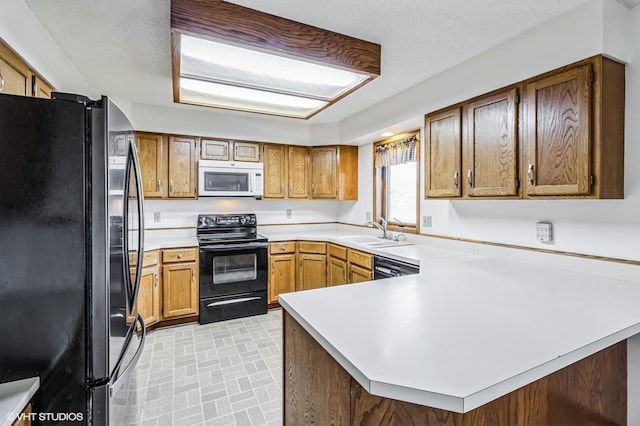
(229, 56)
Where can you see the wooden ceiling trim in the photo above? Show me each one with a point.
(238, 25)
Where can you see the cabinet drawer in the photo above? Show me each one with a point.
(179, 255)
(338, 251)
(312, 247)
(150, 258)
(359, 258)
(282, 247)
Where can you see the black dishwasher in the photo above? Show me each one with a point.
(383, 267)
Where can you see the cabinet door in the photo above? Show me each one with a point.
(337, 271)
(358, 274)
(282, 278)
(313, 271)
(246, 151)
(298, 172)
(15, 75)
(557, 135)
(179, 290)
(152, 169)
(443, 146)
(40, 88)
(149, 295)
(323, 172)
(182, 167)
(491, 145)
(214, 149)
(275, 171)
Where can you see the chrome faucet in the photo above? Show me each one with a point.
(382, 228)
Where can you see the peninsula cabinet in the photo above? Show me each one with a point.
(490, 145)
(334, 172)
(591, 391)
(573, 136)
(282, 269)
(229, 150)
(168, 165)
(179, 282)
(442, 154)
(312, 260)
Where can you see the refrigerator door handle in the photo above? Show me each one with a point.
(131, 288)
(121, 376)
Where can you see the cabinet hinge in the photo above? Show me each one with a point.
(592, 76)
(591, 180)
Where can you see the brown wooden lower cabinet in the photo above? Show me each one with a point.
(317, 390)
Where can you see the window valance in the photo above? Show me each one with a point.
(398, 152)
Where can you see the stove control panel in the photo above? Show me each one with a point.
(226, 220)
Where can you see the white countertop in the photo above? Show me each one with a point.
(467, 329)
(14, 396)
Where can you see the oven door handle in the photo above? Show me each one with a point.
(232, 247)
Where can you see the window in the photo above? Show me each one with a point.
(396, 176)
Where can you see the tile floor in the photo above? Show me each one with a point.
(224, 373)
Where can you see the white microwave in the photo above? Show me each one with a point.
(230, 179)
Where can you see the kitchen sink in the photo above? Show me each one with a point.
(368, 241)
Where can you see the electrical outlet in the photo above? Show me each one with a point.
(156, 217)
(426, 222)
(367, 216)
(287, 213)
(544, 232)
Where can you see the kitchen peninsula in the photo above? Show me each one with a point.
(470, 340)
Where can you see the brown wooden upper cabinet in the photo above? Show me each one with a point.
(275, 171)
(17, 78)
(490, 156)
(334, 172)
(571, 127)
(573, 135)
(168, 165)
(442, 154)
(298, 171)
(229, 150)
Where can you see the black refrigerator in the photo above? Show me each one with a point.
(71, 228)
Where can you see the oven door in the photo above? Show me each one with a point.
(232, 268)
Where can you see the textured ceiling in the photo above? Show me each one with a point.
(122, 47)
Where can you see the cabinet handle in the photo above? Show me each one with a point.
(290, 188)
(455, 179)
(283, 248)
(193, 275)
(273, 267)
(530, 174)
(313, 188)
(1, 82)
(170, 185)
(156, 277)
(235, 153)
(282, 188)
(470, 178)
(179, 255)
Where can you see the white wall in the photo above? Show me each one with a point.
(608, 227)
(184, 213)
